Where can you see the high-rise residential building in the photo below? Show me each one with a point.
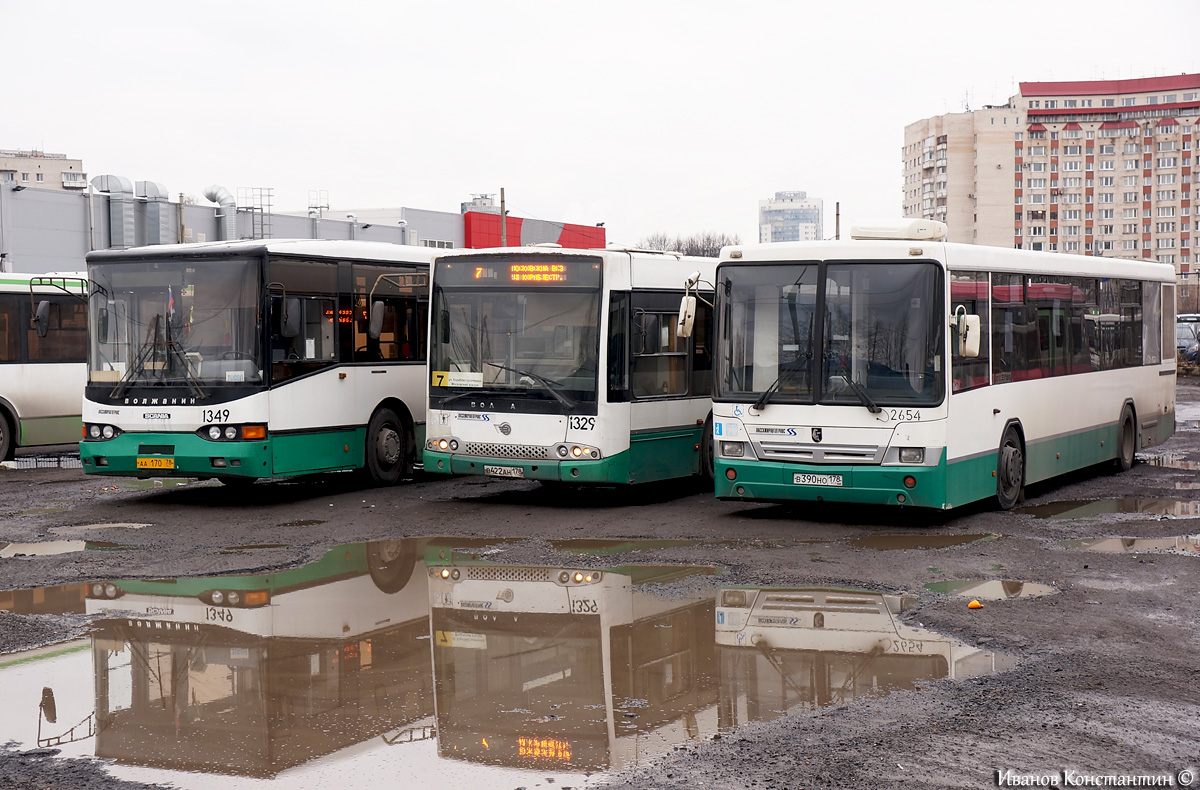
(1101, 167)
(41, 170)
(790, 216)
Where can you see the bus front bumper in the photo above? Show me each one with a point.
(874, 485)
(611, 471)
(175, 455)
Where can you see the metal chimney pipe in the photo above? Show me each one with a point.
(120, 209)
(219, 194)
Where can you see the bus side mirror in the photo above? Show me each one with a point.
(687, 316)
(47, 706)
(968, 335)
(293, 318)
(41, 319)
(375, 328)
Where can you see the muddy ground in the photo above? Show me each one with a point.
(1106, 684)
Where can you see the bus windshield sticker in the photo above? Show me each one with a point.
(457, 378)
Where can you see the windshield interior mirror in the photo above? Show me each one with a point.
(41, 319)
(687, 316)
(968, 327)
(376, 326)
(102, 324)
(293, 318)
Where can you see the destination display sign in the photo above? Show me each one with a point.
(540, 271)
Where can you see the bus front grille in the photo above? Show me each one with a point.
(531, 452)
(507, 573)
(820, 453)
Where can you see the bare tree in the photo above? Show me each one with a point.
(706, 244)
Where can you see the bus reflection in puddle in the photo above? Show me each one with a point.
(553, 671)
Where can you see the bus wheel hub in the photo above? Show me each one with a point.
(387, 446)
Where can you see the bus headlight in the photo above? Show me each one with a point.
(94, 432)
(912, 455)
(571, 451)
(100, 432)
(734, 599)
(214, 433)
(231, 432)
(733, 449)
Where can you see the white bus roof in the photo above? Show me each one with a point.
(967, 257)
(323, 248)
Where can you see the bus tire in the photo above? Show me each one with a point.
(387, 455)
(8, 439)
(1126, 441)
(391, 563)
(1010, 469)
(707, 460)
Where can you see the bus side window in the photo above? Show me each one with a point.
(970, 289)
(10, 319)
(660, 358)
(67, 339)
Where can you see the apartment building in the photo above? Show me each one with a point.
(1100, 167)
(790, 216)
(41, 170)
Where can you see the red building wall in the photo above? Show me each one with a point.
(483, 230)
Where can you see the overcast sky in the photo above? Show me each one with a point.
(673, 117)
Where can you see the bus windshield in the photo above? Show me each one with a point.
(540, 343)
(840, 333)
(175, 322)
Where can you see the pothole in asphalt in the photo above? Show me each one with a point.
(516, 675)
(252, 547)
(157, 482)
(992, 589)
(1183, 544)
(304, 522)
(888, 542)
(47, 548)
(92, 527)
(1105, 507)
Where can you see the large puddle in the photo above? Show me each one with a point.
(992, 589)
(1105, 507)
(1183, 544)
(408, 658)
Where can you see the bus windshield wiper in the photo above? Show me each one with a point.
(783, 374)
(550, 385)
(858, 389)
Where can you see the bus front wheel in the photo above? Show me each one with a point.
(387, 455)
(706, 453)
(1010, 470)
(391, 563)
(1126, 442)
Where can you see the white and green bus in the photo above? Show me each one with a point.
(253, 359)
(896, 368)
(565, 365)
(43, 331)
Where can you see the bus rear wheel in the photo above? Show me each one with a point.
(1126, 441)
(1010, 470)
(387, 453)
(8, 446)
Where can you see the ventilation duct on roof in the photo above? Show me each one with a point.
(120, 209)
(158, 222)
(219, 194)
